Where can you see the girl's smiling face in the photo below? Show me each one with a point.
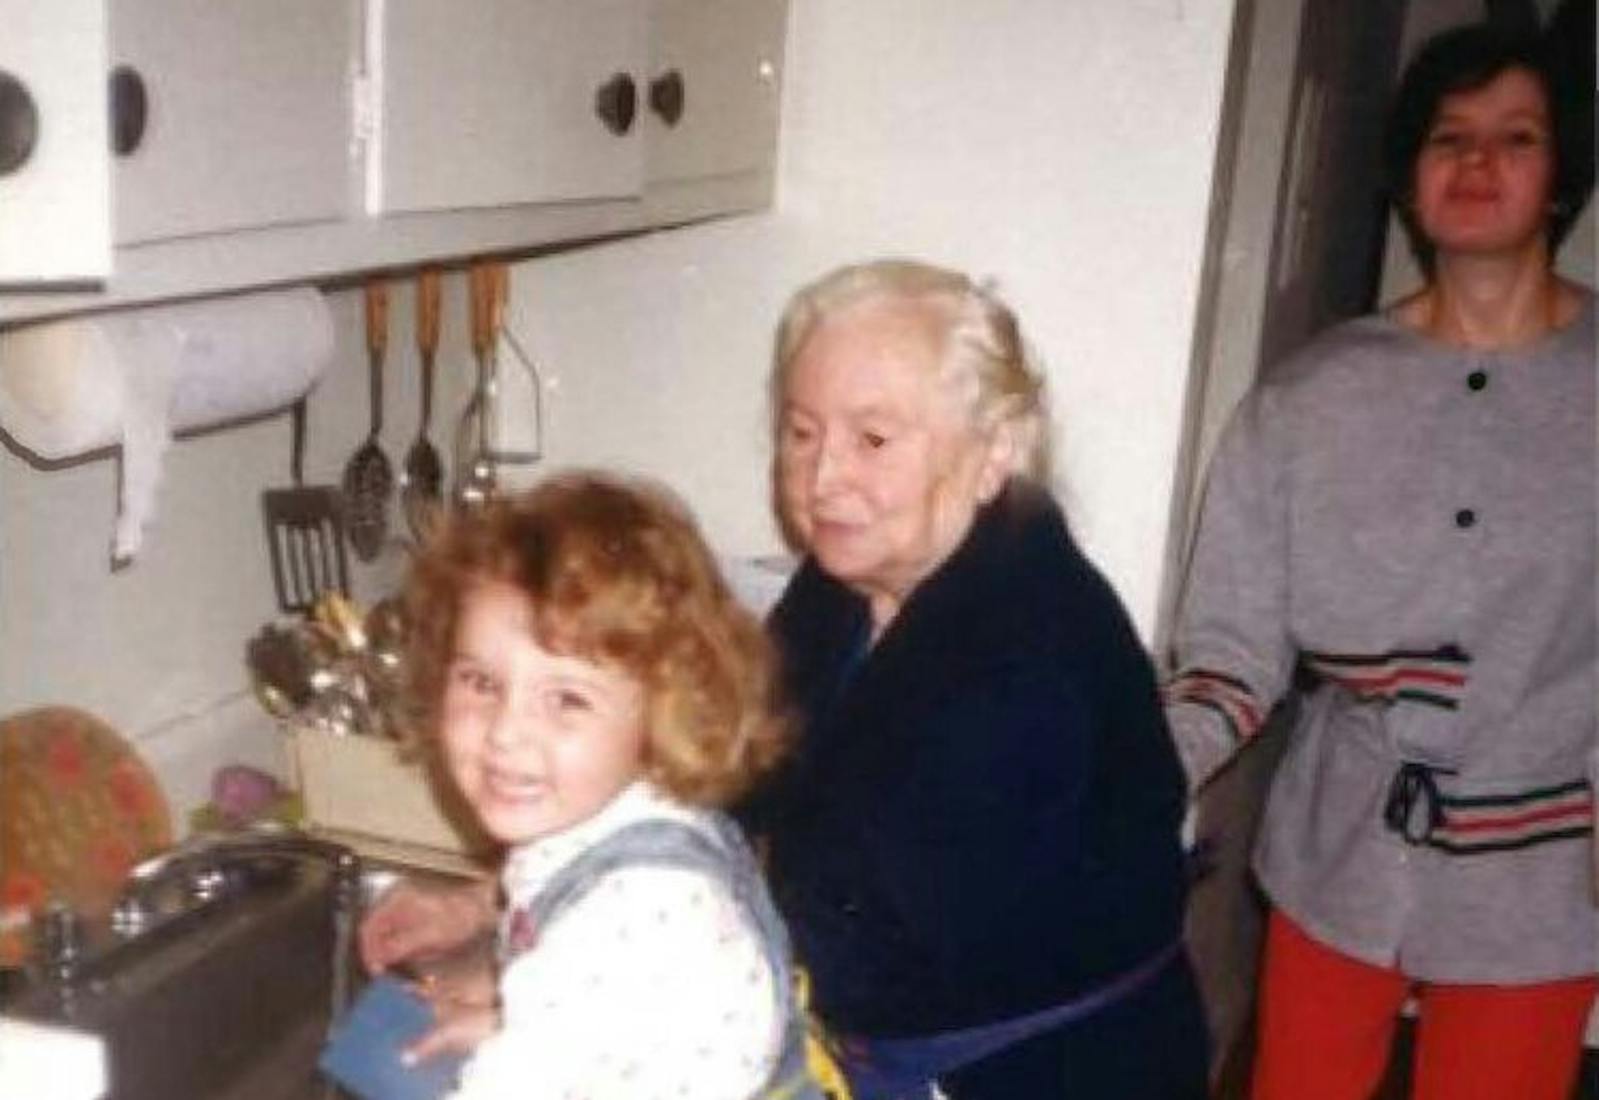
(536, 741)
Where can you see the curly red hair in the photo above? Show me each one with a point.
(616, 572)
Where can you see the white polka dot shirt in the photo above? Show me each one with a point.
(650, 987)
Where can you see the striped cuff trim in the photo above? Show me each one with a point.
(1226, 695)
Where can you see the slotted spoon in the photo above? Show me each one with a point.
(368, 478)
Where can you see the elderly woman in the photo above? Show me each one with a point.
(1402, 518)
(975, 845)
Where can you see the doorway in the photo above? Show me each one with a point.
(1296, 244)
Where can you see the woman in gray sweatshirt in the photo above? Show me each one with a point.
(1401, 521)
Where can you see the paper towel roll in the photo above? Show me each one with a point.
(130, 379)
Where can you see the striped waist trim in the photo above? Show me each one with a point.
(1435, 677)
(1419, 811)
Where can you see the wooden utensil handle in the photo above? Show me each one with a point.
(377, 316)
(480, 293)
(427, 310)
(499, 291)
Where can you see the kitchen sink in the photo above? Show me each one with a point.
(216, 975)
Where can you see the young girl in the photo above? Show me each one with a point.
(596, 691)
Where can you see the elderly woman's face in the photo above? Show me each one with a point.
(879, 468)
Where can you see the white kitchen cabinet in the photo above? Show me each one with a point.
(495, 102)
(55, 186)
(290, 141)
(713, 88)
(248, 119)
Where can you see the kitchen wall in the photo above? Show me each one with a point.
(156, 648)
(1063, 149)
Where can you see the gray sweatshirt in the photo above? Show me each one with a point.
(1405, 532)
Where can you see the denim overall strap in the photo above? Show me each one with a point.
(905, 1069)
(727, 859)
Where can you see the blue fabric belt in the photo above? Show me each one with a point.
(905, 1069)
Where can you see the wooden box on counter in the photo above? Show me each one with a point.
(367, 793)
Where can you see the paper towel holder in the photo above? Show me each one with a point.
(79, 388)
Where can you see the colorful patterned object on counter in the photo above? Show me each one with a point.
(78, 809)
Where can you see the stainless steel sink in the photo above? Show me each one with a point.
(217, 975)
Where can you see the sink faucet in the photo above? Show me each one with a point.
(201, 866)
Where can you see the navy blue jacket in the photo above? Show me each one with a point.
(981, 815)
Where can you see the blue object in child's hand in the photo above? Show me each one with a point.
(363, 1054)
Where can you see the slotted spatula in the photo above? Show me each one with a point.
(368, 477)
(304, 532)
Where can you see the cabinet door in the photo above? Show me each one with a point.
(55, 192)
(713, 90)
(493, 102)
(248, 114)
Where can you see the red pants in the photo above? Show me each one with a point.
(1327, 1023)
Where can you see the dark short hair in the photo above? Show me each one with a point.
(1467, 58)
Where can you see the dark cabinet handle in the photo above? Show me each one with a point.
(616, 102)
(666, 96)
(130, 110)
(19, 124)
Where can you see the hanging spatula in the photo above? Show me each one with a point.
(304, 532)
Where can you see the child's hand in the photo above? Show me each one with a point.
(468, 985)
(409, 922)
(465, 1002)
(460, 1029)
